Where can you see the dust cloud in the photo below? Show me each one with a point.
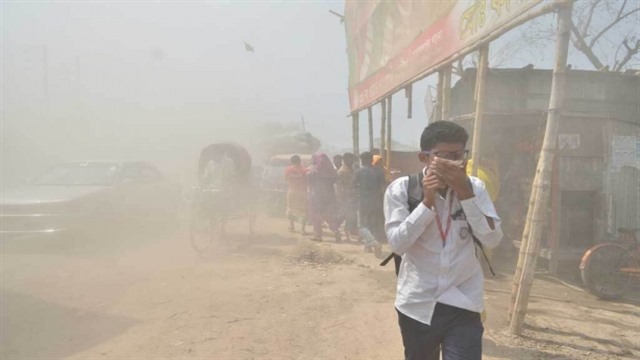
(159, 81)
(97, 84)
(102, 260)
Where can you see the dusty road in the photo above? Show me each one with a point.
(271, 296)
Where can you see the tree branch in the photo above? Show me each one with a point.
(587, 23)
(580, 44)
(624, 3)
(612, 24)
(631, 51)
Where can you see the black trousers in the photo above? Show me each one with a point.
(454, 331)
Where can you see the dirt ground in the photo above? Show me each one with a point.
(274, 295)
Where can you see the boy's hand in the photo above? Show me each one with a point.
(430, 184)
(454, 175)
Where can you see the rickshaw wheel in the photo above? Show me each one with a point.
(204, 231)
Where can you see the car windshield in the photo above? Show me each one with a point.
(79, 175)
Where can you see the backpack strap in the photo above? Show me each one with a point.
(484, 254)
(415, 192)
(414, 198)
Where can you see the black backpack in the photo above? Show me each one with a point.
(414, 198)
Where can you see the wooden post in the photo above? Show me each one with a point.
(383, 126)
(437, 111)
(370, 113)
(544, 169)
(354, 131)
(388, 141)
(446, 92)
(523, 244)
(356, 126)
(554, 241)
(481, 84)
(408, 93)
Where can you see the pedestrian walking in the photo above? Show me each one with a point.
(440, 281)
(370, 184)
(321, 178)
(297, 197)
(347, 196)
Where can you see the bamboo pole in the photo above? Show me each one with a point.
(556, 197)
(370, 114)
(383, 126)
(438, 108)
(446, 92)
(481, 85)
(388, 142)
(356, 147)
(408, 93)
(544, 170)
(354, 131)
(523, 244)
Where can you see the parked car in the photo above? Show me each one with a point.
(86, 196)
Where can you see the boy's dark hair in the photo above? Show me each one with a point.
(366, 158)
(295, 160)
(442, 132)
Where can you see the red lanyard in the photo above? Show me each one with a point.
(445, 233)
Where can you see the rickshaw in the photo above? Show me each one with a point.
(213, 207)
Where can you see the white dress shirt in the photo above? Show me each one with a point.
(433, 271)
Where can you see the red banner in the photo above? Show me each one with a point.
(391, 42)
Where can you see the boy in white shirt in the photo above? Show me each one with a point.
(440, 281)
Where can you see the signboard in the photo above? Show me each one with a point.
(625, 151)
(568, 141)
(391, 42)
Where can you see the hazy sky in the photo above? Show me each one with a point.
(116, 79)
(170, 71)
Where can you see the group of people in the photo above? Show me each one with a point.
(433, 222)
(343, 192)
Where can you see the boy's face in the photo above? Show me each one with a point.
(449, 151)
